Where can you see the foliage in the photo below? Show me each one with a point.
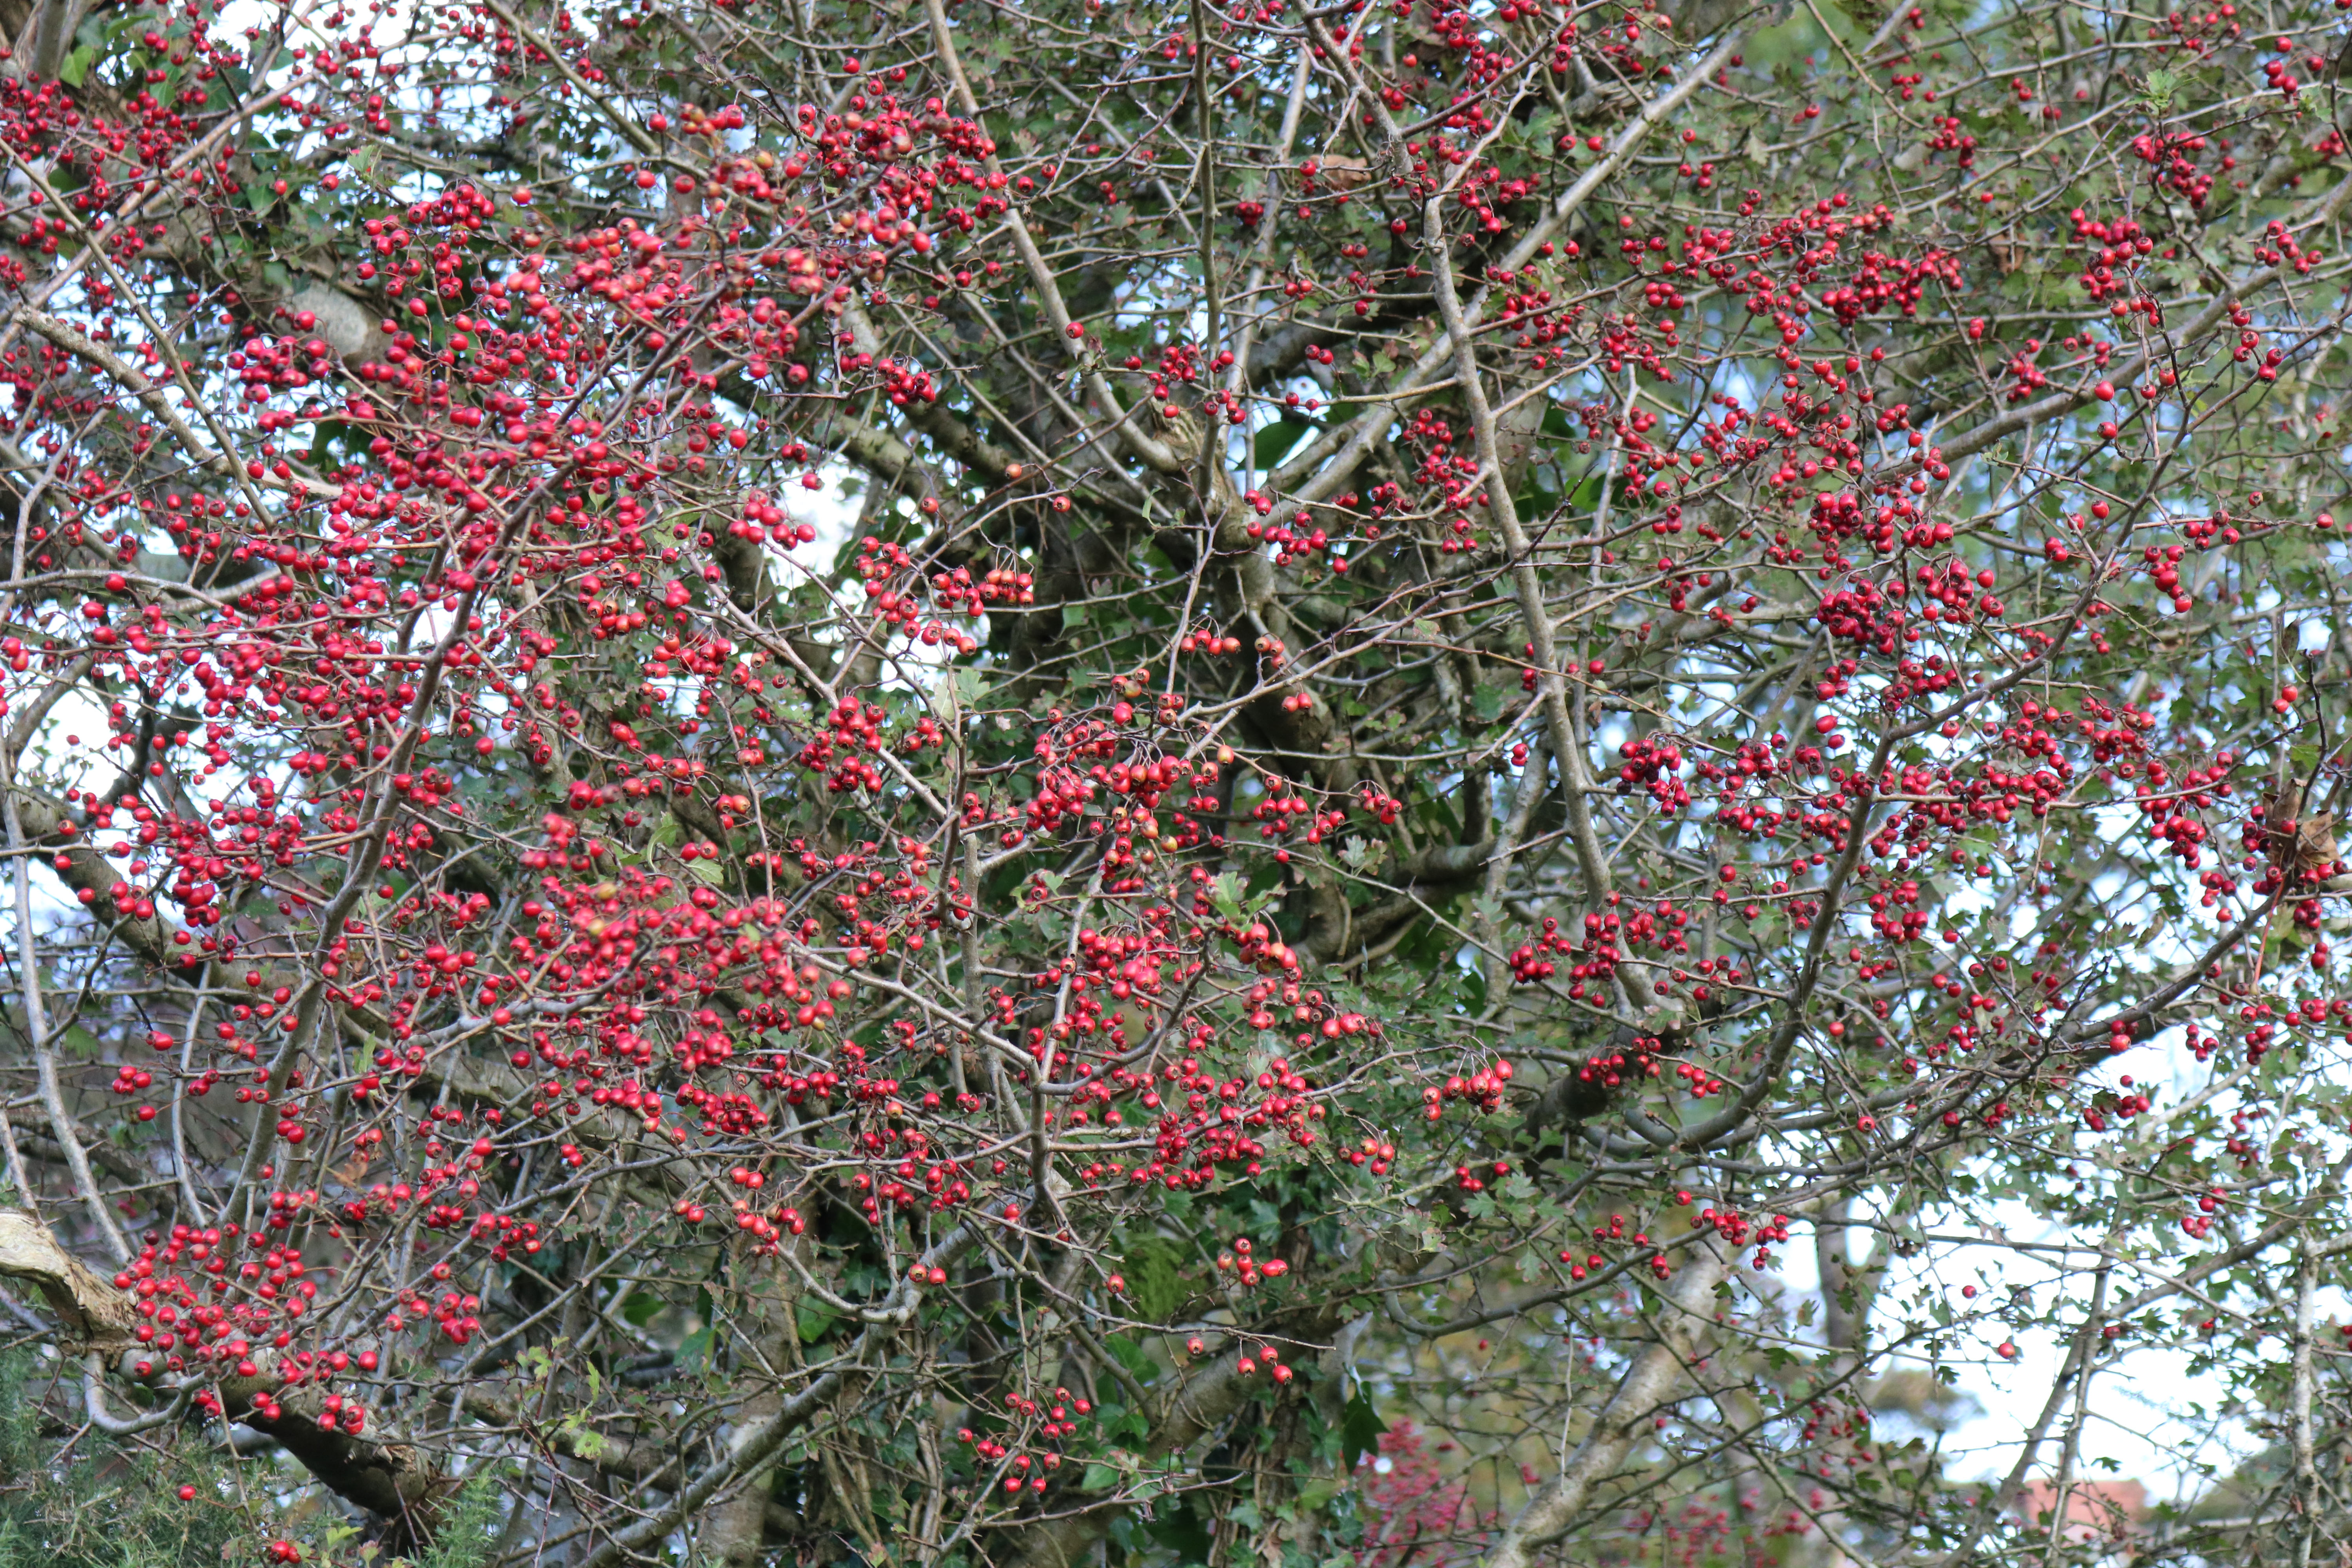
(100, 1506)
(468, 1531)
(949, 782)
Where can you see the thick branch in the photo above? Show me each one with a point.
(1647, 1383)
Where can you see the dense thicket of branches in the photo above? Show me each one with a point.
(1495, 663)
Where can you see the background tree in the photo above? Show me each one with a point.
(1495, 664)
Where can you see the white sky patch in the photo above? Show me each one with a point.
(2148, 1417)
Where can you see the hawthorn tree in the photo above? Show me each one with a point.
(948, 784)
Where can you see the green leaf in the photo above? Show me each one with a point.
(813, 1320)
(77, 65)
(1131, 1356)
(1278, 440)
(326, 440)
(1180, 1530)
(1359, 1430)
(586, 1441)
(1225, 893)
